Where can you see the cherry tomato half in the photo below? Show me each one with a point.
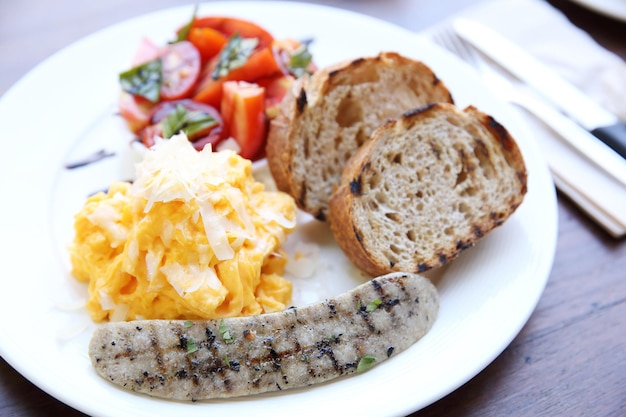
(199, 139)
(181, 69)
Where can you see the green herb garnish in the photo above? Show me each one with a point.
(188, 324)
(300, 60)
(365, 363)
(191, 345)
(189, 122)
(373, 305)
(225, 332)
(184, 31)
(144, 80)
(234, 55)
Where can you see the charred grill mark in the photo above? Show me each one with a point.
(301, 101)
(478, 231)
(443, 259)
(413, 112)
(210, 337)
(183, 342)
(228, 385)
(391, 303)
(234, 365)
(436, 150)
(333, 309)
(461, 245)
(356, 186)
(522, 177)
(157, 378)
(377, 287)
(366, 316)
(422, 266)
(390, 351)
(324, 349)
(302, 196)
(305, 147)
(500, 131)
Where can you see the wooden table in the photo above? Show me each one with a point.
(569, 359)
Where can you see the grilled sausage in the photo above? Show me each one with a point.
(297, 347)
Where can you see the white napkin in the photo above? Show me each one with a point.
(545, 33)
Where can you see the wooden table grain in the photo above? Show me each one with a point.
(570, 357)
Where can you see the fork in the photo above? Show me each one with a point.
(515, 93)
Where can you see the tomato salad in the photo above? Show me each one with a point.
(219, 81)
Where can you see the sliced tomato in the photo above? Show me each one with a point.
(135, 111)
(275, 90)
(154, 127)
(208, 41)
(260, 64)
(181, 70)
(243, 110)
(230, 26)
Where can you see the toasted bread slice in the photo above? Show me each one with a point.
(426, 187)
(325, 118)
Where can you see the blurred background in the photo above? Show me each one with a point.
(44, 27)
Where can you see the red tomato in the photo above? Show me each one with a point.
(230, 26)
(181, 70)
(243, 110)
(275, 90)
(135, 111)
(208, 41)
(260, 64)
(199, 139)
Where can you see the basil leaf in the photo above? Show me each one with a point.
(144, 80)
(373, 305)
(198, 121)
(365, 363)
(225, 332)
(189, 122)
(191, 346)
(234, 55)
(184, 31)
(299, 60)
(174, 122)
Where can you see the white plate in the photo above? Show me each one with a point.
(63, 110)
(612, 8)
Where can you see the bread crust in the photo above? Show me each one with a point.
(363, 246)
(311, 112)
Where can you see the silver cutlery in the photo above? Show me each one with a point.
(519, 94)
(558, 91)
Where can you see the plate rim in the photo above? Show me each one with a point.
(58, 393)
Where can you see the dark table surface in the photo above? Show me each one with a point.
(570, 357)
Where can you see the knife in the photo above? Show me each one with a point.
(601, 123)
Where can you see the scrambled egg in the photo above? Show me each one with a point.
(193, 237)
